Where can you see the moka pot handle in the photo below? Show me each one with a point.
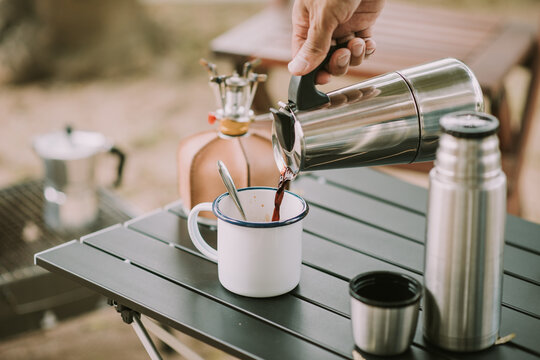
(302, 91)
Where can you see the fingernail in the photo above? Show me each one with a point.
(357, 50)
(343, 60)
(370, 51)
(298, 65)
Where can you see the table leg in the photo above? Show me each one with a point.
(134, 318)
(145, 339)
(170, 340)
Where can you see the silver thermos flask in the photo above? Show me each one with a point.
(465, 235)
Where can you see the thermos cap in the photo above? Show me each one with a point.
(469, 124)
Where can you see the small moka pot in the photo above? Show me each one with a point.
(69, 188)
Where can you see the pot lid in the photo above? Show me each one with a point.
(70, 144)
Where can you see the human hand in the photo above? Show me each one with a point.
(317, 23)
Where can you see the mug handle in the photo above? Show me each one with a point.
(195, 234)
(121, 160)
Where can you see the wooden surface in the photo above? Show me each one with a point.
(406, 35)
(360, 220)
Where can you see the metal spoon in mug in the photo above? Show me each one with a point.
(229, 184)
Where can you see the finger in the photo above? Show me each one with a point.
(371, 46)
(300, 26)
(313, 50)
(339, 62)
(365, 33)
(311, 54)
(345, 38)
(322, 77)
(357, 46)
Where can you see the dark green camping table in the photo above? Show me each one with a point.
(360, 220)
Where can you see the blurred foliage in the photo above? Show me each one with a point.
(70, 39)
(73, 40)
(189, 28)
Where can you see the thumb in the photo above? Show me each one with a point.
(312, 51)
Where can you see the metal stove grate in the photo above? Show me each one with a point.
(24, 233)
(30, 296)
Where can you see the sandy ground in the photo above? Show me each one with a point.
(145, 115)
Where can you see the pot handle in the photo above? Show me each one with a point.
(302, 90)
(120, 168)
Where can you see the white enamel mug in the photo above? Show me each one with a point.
(257, 257)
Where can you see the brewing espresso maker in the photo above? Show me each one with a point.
(388, 119)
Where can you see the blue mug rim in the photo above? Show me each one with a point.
(271, 224)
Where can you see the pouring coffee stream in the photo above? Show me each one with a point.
(284, 180)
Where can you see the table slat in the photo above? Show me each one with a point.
(408, 255)
(288, 312)
(168, 226)
(346, 264)
(399, 253)
(342, 262)
(191, 313)
(386, 188)
(365, 208)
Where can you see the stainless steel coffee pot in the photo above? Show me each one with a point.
(69, 188)
(388, 119)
